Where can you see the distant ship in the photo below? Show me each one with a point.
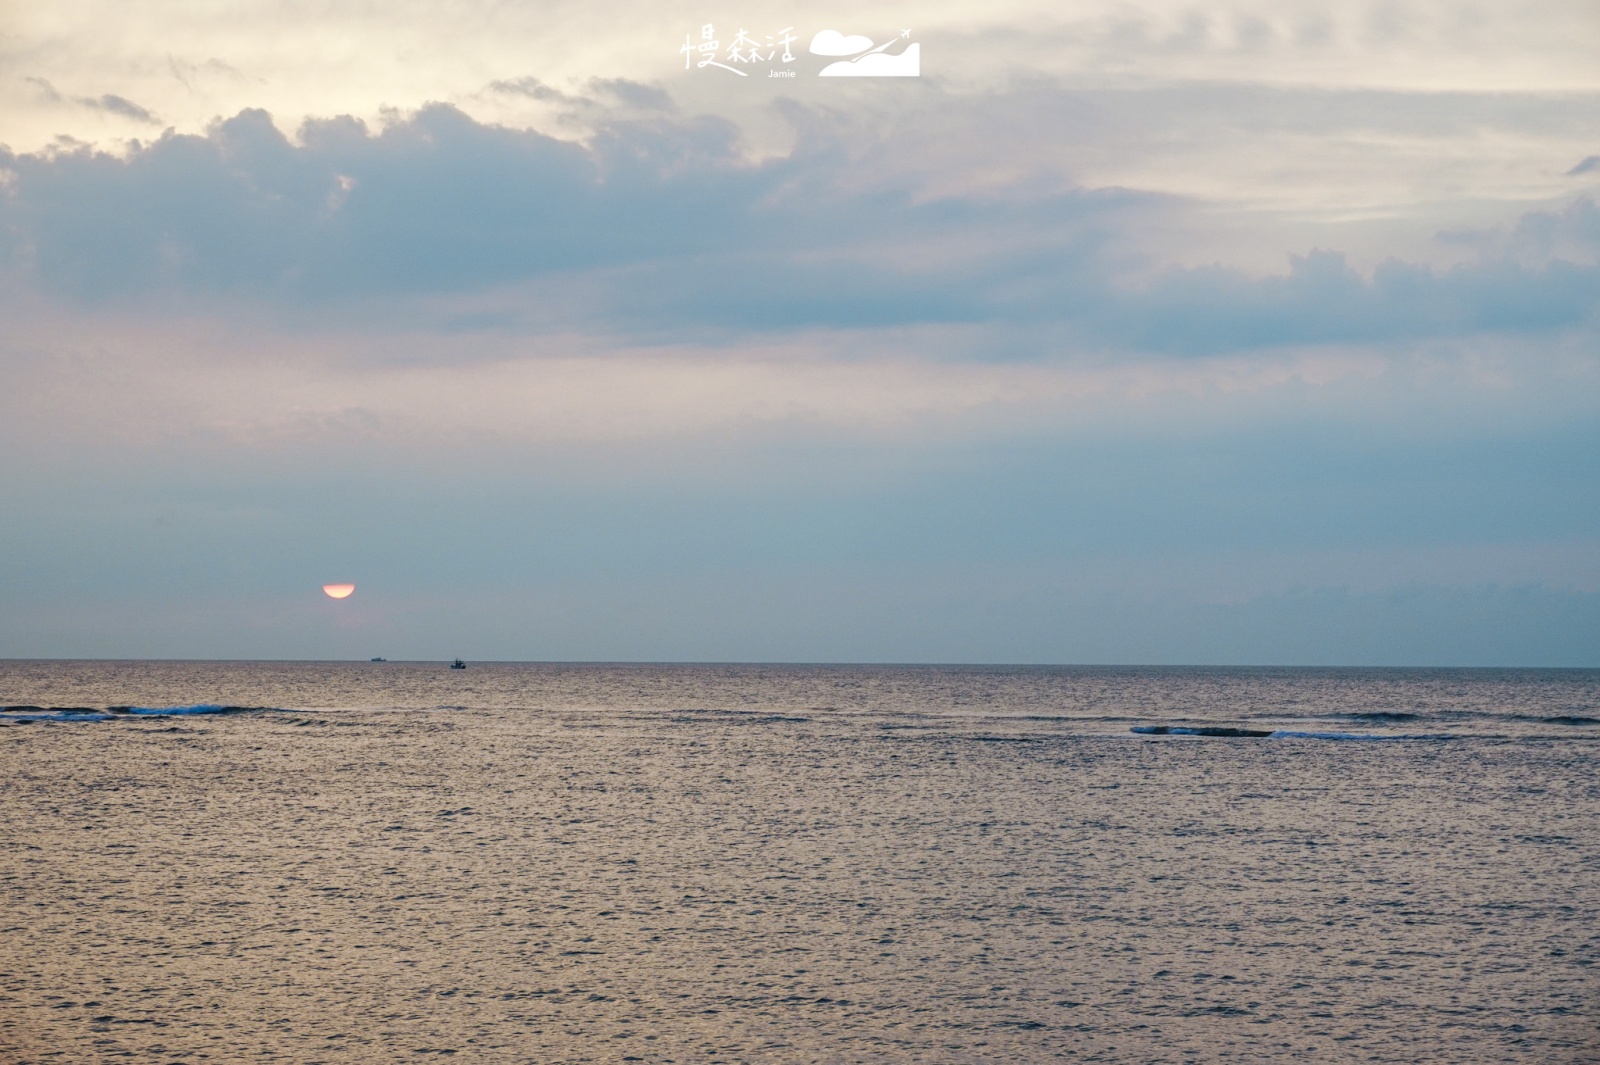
(380, 660)
(458, 664)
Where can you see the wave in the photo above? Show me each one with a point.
(180, 711)
(1459, 717)
(85, 713)
(1200, 730)
(1224, 732)
(1290, 734)
(51, 713)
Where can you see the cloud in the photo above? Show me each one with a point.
(633, 94)
(116, 105)
(188, 74)
(660, 226)
(528, 86)
(433, 202)
(604, 95)
(1570, 233)
(1323, 300)
(109, 102)
(46, 90)
(832, 42)
(1588, 166)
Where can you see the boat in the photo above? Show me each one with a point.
(458, 664)
(380, 659)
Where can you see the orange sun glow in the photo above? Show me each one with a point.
(339, 591)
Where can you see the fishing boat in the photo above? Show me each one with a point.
(458, 664)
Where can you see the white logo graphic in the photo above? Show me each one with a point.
(832, 42)
(857, 57)
(876, 63)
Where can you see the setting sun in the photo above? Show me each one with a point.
(339, 591)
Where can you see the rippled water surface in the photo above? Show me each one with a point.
(537, 863)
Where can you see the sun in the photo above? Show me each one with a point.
(339, 591)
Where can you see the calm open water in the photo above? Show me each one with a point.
(546, 863)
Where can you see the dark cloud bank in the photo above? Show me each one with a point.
(669, 229)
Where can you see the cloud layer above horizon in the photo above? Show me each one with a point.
(1137, 328)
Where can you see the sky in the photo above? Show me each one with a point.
(1133, 332)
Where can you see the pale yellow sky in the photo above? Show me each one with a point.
(187, 63)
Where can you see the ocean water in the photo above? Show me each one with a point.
(341, 862)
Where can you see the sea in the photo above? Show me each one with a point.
(309, 862)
